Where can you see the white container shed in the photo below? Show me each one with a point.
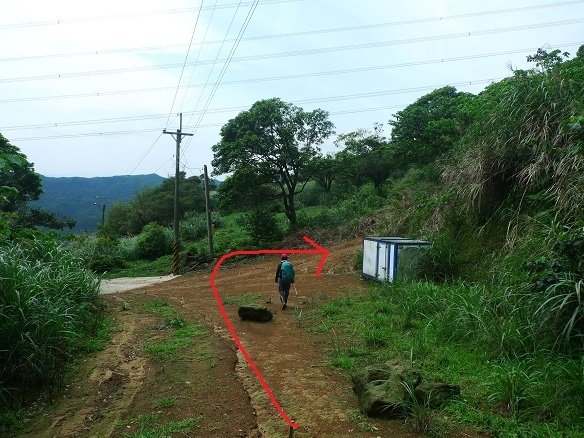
(387, 258)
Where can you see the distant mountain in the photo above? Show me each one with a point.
(83, 198)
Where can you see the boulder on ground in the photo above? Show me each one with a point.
(253, 313)
(388, 390)
(382, 390)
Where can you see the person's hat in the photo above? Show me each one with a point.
(284, 256)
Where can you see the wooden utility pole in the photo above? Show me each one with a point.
(208, 208)
(178, 135)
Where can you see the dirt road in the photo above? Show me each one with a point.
(212, 385)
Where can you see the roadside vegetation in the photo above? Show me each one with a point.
(494, 180)
(50, 314)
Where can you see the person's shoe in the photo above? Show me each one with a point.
(284, 306)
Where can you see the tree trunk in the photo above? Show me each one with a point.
(290, 210)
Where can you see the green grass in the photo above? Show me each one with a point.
(181, 333)
(11, 421)
(143, 268)
(149, 426)
(165, 403)
(102, 336)
(461, 335)
(248, 299)
(362, 421)
(50, 312)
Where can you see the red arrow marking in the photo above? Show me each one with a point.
(317, 250)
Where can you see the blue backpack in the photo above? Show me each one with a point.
(287, 272)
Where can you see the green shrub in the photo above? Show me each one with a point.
(263, 227)
(328, 218)
(154, 241)
(99, 253)
(365, 200)
(193, 227)
(127, 248)
(198, 252)
(232, 237)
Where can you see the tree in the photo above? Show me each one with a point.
(428, 128)
(244, 191)
(155, 204)
(545, 60)
(16, 172)
(365, 157)
(19, 184)
(276, 140)
(324, 171)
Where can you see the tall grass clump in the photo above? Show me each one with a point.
(102, 253)
(475, 335)
(49, 306)
(528, 142)
(543, 277)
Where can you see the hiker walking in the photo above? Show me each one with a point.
(284, 277)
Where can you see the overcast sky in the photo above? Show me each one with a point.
(87, 87)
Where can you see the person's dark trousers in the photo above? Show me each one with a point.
(284, 290)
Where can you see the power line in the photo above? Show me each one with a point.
(84, 122)
(145, 154)
(301, 52)
(296, 34)
(294, 76)
(301, 101)
(185, 62)
(161, 116)
(225, 65)
(128, 15)
(198, 54)
(213, 66)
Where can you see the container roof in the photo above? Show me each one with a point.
(398, 240)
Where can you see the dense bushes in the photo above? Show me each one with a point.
(99, 254)
(153, 242)
(48, 307)
(263, 226)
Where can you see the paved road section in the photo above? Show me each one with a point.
(124, 284)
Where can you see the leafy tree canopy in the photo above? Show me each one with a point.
(276, 140)
(16, 172)
(429, 127)
(324, 170)
(365, 157)
(19, 184)
(244, 190)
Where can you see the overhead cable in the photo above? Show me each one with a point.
(184, 62)
(300, 52)
(130, 15)
(299, 101)
(291, 76)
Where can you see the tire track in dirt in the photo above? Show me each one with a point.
(95, 401)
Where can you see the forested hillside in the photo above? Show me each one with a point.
(82, 199)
